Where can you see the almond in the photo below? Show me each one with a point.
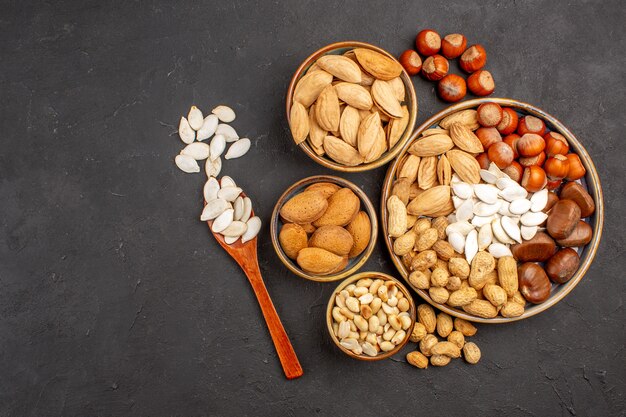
(408, 169)
(396, 127)
(341, 67)
(427, 172)
(316, 133)
(468, 118)
(379, 147)
(465, 139)
(432, 145)
(368, 133)
(340, 151)
(361, 230)
(292, 238)
(327, 109)
(343, 205)
(385, 99)
(401, 188)
(310, 86)
(334, 239)
(379, 65)
(349, 125)
(444, 171)
(305, 207)
(465, 165)
(326, 188)
(319, 261)
(298, 122)
(430, 201)
(354, 95)
(397, 85)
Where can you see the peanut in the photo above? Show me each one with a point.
(426, 316)
(459, 267)
(439, 277)
(512, 309)
(440, 360)
(446, 348)
(481, 308)
(427, 343)
(457, 338)
(471, 352)
(444, 324)
(419, 280)
(495, 294)
(417, 359)
(462, 297)
(507, 274)
(439, 295)
(465, 327)
(418, 333)
(426, 239)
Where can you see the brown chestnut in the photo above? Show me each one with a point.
(538, 249)
(533, 283)
(563, 219)
(575, 191)
(562, 266)
(580, 236)
(552, 199)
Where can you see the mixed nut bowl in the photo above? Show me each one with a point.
(492, 223)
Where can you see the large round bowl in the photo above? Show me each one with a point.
(591, 182)
(340, 48)
(355, 263)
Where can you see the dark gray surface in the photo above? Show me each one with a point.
(114, 299)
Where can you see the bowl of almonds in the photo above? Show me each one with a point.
(324, 228)
(370, 316)
(351, 106)
(493, 210)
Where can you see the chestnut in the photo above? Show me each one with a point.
(453, 45)
(509, 121)
(530, 144)
(515, 171)
(580, 236)
(552, 199)
(576, 192)
(411, 62)
(533, 283)
(488, 136)
(556, 167)
(483, 160)
(538, 249)
(556, 144)
(473, 59)
(576, 168)
(428, 42)
(481, 83)
(511, 140)
(533, 160)
(563, 218)
(489, 114)
(534, 179)
(562, 266)
(452, 88)
(500, 154)
(435, 67)
(531, 124)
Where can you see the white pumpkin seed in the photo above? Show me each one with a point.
(254, 226)
(247, 209)
(238, 148)
(483, 209)
(499, 233)
(460, 227)
(230, 239)
(227, 131)
(211, 187)
(533, 219)
(471, 246)
(457, 241)
(218, 144)
(504, 182)
(213, 168)
(519, 206)
(510, 227)
(457, 201)
(528, 232)
(493, 168)
(504, 208)
(480, 221)
(455, 179)
(462, 190)
(208, 127)
(498, 250)
(229, 193)
(486, 192)
(236, 228)
(238, 207)
(451, 218)
(485, 236)
(488, 176)
(223, 221)
(187, 164)
(224, 113)
(214, 208)
(185, 131)
(539, 200)
(195, 117)
(227, 181)
(465, 211)
(514, 192)
(197, 150)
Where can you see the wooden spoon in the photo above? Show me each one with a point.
(245, 254)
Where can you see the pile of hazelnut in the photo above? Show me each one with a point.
(528, 152)
(451, 87)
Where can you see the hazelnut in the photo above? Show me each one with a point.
(483, 160)
(531, 124)
(533, 283)
(435, 67)
(576, 168)
(530, 144)
(428, 42)
(411, 62)
(562, 266)
(500, 154)
(556, 167)
(481, 83)
(489, 114)
(452, 88)
(509, 121)
(556, 144)
(515, 171)
(488, 136)
(534, 179)
(533, 160)
(473, 59)
(453, 45)
(511, 140)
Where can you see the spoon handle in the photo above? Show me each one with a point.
(286, 354)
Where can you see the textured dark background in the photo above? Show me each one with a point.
(114, 299)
